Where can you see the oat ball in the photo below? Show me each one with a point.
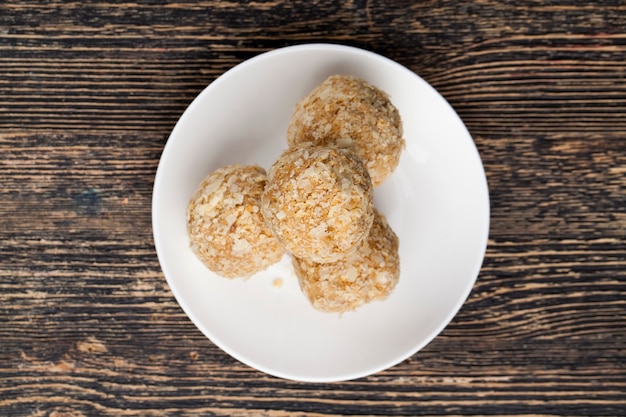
(318, 202)
(347, 112)
(226, 229)
(370, 273)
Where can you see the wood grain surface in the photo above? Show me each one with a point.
(89, 92)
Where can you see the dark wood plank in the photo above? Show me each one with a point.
(89, 92)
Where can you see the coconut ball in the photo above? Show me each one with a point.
(318, 202)
(347, 112)
(226, 229)
(370, 273)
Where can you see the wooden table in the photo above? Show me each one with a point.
(89, 92)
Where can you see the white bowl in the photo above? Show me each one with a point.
(436, 201)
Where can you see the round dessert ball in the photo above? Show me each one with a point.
(370, 273)
(318, 202)
(226, 229)
(347, 112)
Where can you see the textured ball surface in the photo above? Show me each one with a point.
(318, 202)
(347, 112)
(370, 273)
(226, 229)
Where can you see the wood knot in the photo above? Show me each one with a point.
(91, 345)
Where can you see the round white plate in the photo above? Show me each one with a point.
(436, 201)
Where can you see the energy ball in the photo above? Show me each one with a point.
(318, 202)
(370, 273)
(226, 229)
(347, 112)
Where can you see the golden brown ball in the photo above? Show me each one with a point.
(226, 229)
(370, 273)
(348, 112)
(318, 202)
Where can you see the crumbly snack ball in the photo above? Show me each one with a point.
(370, 273)
(226, 229)
(347, 112)
(318, 202)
